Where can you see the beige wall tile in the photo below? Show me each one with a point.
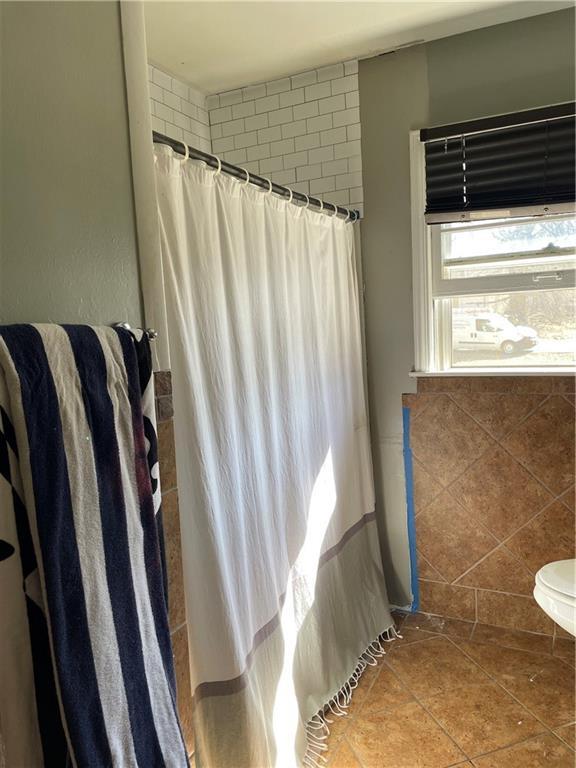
(513, 611)
(497, 413)
(546, 538)
(568, 498)
(512, 638)
(500, 493)
(426, 570)
(425, 487)
(173, 546)
(439, 625)
(449, 539)
(447, 600)
(167, 455)
(545, 443)
(162, 383)
(184, 691)
(417, 404)
(444, 384)
(500, 571)
(446, 441)
(164, 408)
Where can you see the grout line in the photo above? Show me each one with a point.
(554, 494)
(524, 706)
(478, 562)
(524, 525)
(441, 491)
(351, 748)
(543, 397)
(474, 461)
(176, 629)
(515, 744)
(352, 718)
(424, 708)
(498, 440)
(420, 394)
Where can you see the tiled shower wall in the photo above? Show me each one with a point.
(302, 131)
(178, 110)
(177, 610)
(493, 462)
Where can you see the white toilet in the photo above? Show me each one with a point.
(555, 593)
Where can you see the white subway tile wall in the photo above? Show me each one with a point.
(302, 131)
(178, 110)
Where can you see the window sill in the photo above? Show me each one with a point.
(463, 372)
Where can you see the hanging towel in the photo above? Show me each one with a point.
(86, 671)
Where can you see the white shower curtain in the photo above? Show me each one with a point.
(283, 577)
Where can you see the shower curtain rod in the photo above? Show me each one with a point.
(259, 181)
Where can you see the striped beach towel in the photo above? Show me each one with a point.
(86, 670)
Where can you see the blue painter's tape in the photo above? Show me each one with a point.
(409, 477)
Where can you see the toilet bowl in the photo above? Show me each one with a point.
(555, 592)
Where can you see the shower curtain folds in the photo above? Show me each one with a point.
(282, 569)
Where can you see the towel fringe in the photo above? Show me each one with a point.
(317, 729)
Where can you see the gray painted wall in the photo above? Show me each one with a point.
(519, 65)
(68, 245)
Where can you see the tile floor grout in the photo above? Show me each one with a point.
(524, 706)
(384, 663)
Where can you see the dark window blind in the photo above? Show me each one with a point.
(515, 166)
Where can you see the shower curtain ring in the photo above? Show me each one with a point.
(269, 190)
(186, 152)
(219, 169)
(307, 201)
(321, 206)
(291, 194)
(347, 219)
(247, 179)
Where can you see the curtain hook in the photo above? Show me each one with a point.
(347, 219)
(291, 194)
(321, 206)
(186, 152)
(219, 169)
(247, 179)
(307, 201)
(269, 190)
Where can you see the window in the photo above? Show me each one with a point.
(494, 289)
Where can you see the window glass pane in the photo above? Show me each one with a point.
(508, 246)
(533, 328)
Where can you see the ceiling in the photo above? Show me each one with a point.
(218, 46)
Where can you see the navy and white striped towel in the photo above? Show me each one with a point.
(86, 671)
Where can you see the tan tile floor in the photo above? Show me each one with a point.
(439, 699)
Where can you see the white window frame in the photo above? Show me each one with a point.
(432, 340)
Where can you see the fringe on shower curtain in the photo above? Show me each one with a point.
(87, 674)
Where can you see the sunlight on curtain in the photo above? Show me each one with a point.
(299, 599)
(282, 570)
